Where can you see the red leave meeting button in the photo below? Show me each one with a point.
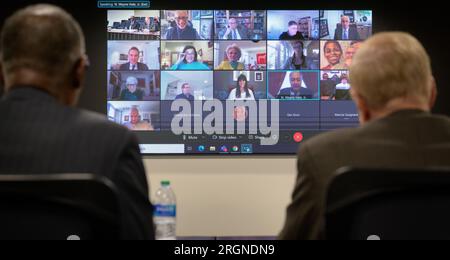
(298, 137)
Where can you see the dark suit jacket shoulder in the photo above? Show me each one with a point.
(352, 33)
(285, 91)
(134, 26)
(286, 36)
(40, 136)
(406, 139)
(182, 96)
(126, 66)
(189, 33)
(243, 32)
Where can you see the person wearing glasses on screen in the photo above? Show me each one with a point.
(242, 91)
(333, 54)
(235, 31)
(187, 60)
(234, 53)
(183, 29)
(132, 92)
(292, 32)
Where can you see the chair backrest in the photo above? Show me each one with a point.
(124, 24)
(389, 204)
(58, 207)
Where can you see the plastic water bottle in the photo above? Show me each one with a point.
(165, 212)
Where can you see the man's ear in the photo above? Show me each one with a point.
(434, 93)
(363, 109)
(78, 73)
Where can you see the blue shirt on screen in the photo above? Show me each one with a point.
(190, 66)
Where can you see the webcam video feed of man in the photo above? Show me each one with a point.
(231, 82)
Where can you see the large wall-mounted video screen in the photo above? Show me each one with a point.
(231, 82)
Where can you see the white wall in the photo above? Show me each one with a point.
(333, 17)
(119, 15)
(252, 57)
(227, 196)
(207, 52)
(147, 13)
